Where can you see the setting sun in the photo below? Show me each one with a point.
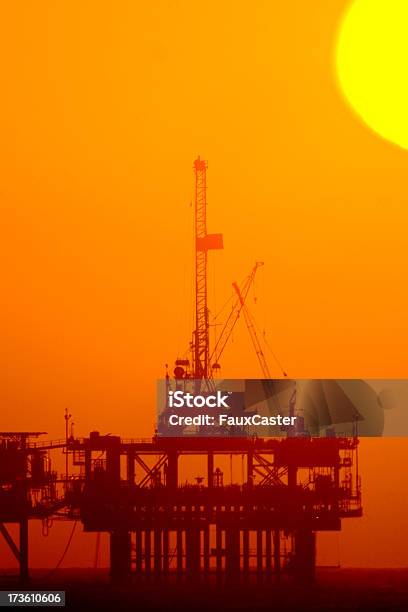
(372, 58)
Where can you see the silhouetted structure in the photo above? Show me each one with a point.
(159, 529)
(263, 525)
(28, 488)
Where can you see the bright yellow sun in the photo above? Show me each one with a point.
(372, 65)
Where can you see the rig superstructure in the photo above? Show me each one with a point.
(261, 525)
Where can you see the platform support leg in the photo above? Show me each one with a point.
(120, 556)
(24, 572)
(305, 556)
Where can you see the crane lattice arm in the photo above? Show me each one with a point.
(233, 315)
(252, 332)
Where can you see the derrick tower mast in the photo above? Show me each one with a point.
(201, 334)
(203, 243)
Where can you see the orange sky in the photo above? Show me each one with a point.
(104, 107)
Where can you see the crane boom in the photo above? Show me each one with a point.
(252, 332)
(233, 315)
(255, 341)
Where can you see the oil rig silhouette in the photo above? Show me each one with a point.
(261, 528)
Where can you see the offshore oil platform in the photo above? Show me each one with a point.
(261, 526)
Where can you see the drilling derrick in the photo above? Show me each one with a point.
(201, 339)
(203, 243)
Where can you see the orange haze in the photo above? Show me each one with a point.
(104, 107)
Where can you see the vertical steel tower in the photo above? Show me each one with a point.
(203, 243)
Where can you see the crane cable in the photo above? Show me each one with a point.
(275, 357)
(68, 544)
(263, 334)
